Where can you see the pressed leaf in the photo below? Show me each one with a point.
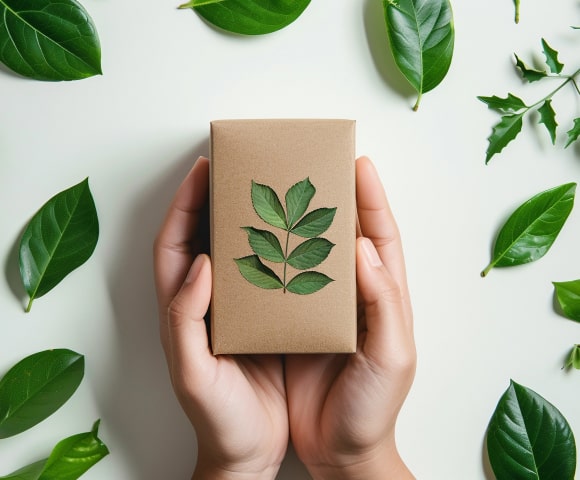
(36, 387)
(548, 118)
(531, 230)
(255, 272)
(552, 58)
(503, 133)
(249, 17)
(528, 438)
(421, 35)
(268, 206)
(568, 295)
(510, 104)
(265, 244)
(306, 283)
(574, 358)
(528, 73)
(61, 236)
(310, 253)
(297, 200)
(48, 39)
(573, 133)
(315, 223)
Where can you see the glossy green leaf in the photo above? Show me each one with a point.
(568, 295)
(61, 236)
(310, 253)
(249, 17)
(297, 200)
(531, 230)
(503, 133)
(314, 223)
(551, 58)
(267, 205)
(510, 104)
(528, 73)
(306, 283)
(573, 133)
(574, 358)
(36, 387)
(255, 272)
(548, 118)
(30, 472)
(48, 39)
(265, 244)
(528, 438)
(421, 35)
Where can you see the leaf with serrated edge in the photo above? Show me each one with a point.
(552, 58)
(265, 244)
(310, 253)
(297, 200)
(314, 223)
(573, 133)
(574, 358)
(503, 133)
(529, 438)
(267, 205)
(255, 272)
(306, 283)
(568, 295)
(528, 73)
(510, 104)
(548, 118)
(531, 230)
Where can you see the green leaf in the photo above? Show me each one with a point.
(510, 104)
(531, 230)
(503, 133)
(574, 358)
(255, 272)
(249, 17)
(265, 244)
(528, 73)
(421, 35)
(30, 472)
(573, 133)
(551, 58)
(306, 283)
(548, 118)
(61, 236)
(310, 253)
(48, 39)
(36, 387)
(297, 200)
(528, 438)
(268, 206)
(568, 295)
(314, 223)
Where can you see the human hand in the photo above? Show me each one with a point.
(237, 405)
(343, 408)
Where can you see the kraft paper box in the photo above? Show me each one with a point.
(283, 228)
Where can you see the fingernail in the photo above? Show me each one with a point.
(194, 269)
(370, 252)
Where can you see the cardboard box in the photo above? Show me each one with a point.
(283, 228)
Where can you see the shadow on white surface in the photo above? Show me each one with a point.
(487, 471)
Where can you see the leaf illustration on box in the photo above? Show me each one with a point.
(292, 221)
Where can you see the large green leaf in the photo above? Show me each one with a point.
(548, 118)
(531, 230)
(36, 387)
(529, 439)
(315, 223)
(255, 272)
(421, 35)
(265, 244)
(61, 236)
(48, 39)
(568, 295)
(310, 253)
(573, 133)
(297, 200)
(574, 358)
(308, 282)
(249, 17)
(503, 133)
(268, 206)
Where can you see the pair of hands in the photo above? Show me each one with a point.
(338, 410)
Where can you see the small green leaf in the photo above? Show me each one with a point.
(268, 206)
(531, 230)
(36, 387)
(552, 58)
(511, 104)
(503, 133)
(574, 358)
(310, 253)
(422, 36)
(306, 283)
(548, 118)
(265, 244)
(255, 272)
(573, 133)
(48, 39)
(528, 73)
(568, 295)
(529, 438)
(297, 200)
(314, 223)
(30, 472)
(61, 236)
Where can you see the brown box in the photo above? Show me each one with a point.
(275, 185)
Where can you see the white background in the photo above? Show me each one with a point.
(136, 131)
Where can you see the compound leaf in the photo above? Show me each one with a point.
(574, 358)
(510, 104)
(255, 272)
(297, 200)
(568, 295)
(265, 244)
(503, 133)
(528, 73)
(573, 133)
(310, 253)
(268, 206)
(308, 282)
(551, 58)
(314, 223)
(548, 118)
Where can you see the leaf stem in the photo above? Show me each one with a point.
(286, 258)
(487, 269)
(29, 306)
(517, 14)
(416, 106)
(569, 78)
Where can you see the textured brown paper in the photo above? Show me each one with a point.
(280, 153)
